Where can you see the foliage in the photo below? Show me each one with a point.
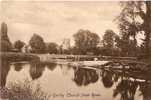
(108, 39)
(5, 42)
(37, 44)
(135, 19)
(146, 25)
(109, 44)
(19, 45)
(127, 47)
(86, 41)
(51, 48)
(129, 28)
(24, 91)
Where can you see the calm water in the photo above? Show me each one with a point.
(64, 82)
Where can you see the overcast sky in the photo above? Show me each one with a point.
(55, 21)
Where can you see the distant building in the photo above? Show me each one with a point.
(26, 49)
(23, 49)
(66, 44)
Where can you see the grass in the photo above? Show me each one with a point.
(25, 91)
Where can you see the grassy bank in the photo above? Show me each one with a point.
(13, 56)
(24, 91)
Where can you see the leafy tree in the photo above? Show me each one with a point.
(129, 24)
(86, 41)
(5, 42)
(126, 46)
(109, 44)
(19, 45)
(108, 39)
(51, 48)
(146, 25)
(37, 44)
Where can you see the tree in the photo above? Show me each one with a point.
(51, 48)
(126, 46)
(86, 41)
(145, 14)
(19, 45)
(5, 42)
(37, 44)
(129, 28)
(109, 47)
(129, 24)
(108, 39)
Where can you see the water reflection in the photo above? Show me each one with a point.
(36, 70)
(51, 66)
(18, 66)
(126, 89)
(4, 68)
(107, 79)
(123, 84)
(127, 85)
(145, 89)
(83, 76)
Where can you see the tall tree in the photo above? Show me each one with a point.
(19, 45)
(5, 42)
(108, 39)
(135, 18)
(86, 41)
(146, 26)
(109, 44)
(37, 44)
(51, 48)
(126, 46)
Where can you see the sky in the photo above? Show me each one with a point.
(56, 20)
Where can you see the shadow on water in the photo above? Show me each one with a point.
(51, 66)
(83, 76)
(127, 89)
(18, 66)
(107, 79)
(37, 68)
(127, 83)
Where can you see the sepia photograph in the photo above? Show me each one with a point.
(75, 50)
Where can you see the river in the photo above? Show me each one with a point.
(65, 82)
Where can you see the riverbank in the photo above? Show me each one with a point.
(22, 91)
(69, 59)
(11, 56)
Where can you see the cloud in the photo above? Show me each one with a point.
(57, 20)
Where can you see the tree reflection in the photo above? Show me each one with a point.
(145, 89)
(51, 66)
(18, 66)
(65, 69)
(84, 76)
(36, 70)
(126, 89)
(4, 68)
(107, 79)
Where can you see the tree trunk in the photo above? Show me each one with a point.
(147, 41)
(147, 27)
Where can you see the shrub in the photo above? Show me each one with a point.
(25, 91)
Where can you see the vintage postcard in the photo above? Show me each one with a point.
(75, 50)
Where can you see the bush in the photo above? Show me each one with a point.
(24, 91)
